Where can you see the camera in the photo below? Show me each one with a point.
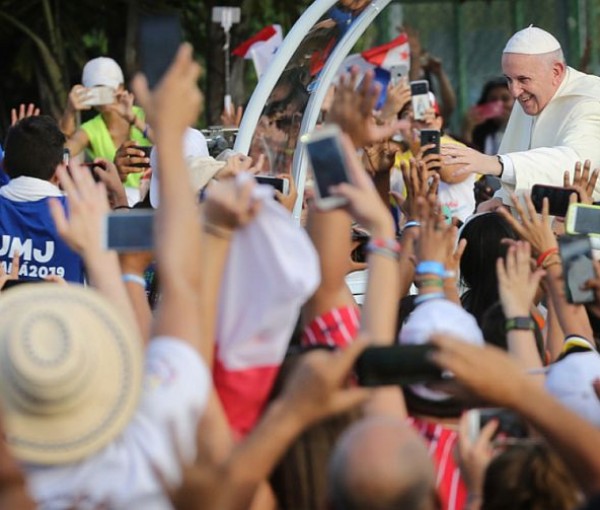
(219, 138)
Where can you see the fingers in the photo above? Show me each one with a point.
(58, 216)
(14, 268)
(13, 117)
(460, 249)
(566, 179)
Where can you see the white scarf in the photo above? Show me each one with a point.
(29, 189)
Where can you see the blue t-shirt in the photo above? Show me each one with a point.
(27, 227)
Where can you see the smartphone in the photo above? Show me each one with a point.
(159, 38)
(421, 102)
(101, 95)
(429, 136)
(278, 183)
(558, 198)
(578, 267)
(146, 151)
(131, 230)
(396, 365)
(510, 424)
(397, 73)
(583, 219)
(490, 110)
(329, 165)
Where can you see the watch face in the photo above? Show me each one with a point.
(525, 323)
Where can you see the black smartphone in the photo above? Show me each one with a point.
(578, 267)
(428, 137)
(146, 151)
(278, 183)
(558, 198)
(131, 230)
(329, 165)
(396, 365)
(159, 38)
(510, 424)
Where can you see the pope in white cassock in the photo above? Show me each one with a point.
(555, 121)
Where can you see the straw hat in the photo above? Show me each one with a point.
(70, 372)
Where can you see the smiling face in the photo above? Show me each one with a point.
(533, 79)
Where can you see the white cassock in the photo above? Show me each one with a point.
(538, 149)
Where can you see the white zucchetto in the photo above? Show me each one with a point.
(532, 41)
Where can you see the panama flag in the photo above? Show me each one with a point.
(261, 47)
(394, 53)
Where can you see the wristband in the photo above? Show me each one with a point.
(545, 255)
(386, 247)
(423, 298)
(519, 323)
(216, 231)
(431, 267)
(411, 224)
(134, 278)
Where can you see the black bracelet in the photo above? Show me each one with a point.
(519, 323)
(501, 166)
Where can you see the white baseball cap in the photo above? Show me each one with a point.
(438, 316)
(532, 41)
(102, 71)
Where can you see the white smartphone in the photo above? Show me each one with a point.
(278, 183)
(397, 73)
(129, 230)
(583, 219)
(101, 95)
(419, 91)
(329, 164)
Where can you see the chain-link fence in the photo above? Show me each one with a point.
(468, 36)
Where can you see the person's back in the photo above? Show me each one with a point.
(34, 150)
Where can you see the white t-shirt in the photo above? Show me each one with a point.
(176, 388)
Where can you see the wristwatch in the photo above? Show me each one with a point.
(520, 323)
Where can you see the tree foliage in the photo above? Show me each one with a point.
(45, 43)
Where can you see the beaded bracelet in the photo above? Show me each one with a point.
(389, 248)
(430, 282)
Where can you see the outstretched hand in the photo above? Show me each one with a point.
(583, 183)
(517, 284)
(417, 182)
(352, 110)
(24, 111)
(88, 205)
(470, 161)
(535, 229)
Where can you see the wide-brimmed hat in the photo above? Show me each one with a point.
(70, 372)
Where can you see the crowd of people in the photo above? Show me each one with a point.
(220, 370)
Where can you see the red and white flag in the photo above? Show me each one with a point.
(261, 47)
(394, 53)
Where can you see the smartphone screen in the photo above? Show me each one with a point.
(159, 38)
(578, 267)
(130, 230)
(396, 365)
(587, 220)
(558, 199)
(328, 163)
(429, 136)
(510, 424)
(419, 91)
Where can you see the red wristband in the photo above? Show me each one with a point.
(545, 255)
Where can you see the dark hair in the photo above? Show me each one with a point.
(478, 264)
(34, 148)
(529, 477)
(494, 83)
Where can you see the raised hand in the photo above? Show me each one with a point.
(434, 232)
(232, 117)
(517, 285)
(88, 205)
(13, 274)
(229, 205)
(583, 183)
(288, 201)
(534, 229)
(107, 173)
(24, 111)
(416, 181)
(162, 111)
(352, 110)
(77, 98)
(364, 203)
(398, 96)
(470, 161)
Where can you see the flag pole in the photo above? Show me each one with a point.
(227, 17)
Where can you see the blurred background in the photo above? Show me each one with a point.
(45, 43)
